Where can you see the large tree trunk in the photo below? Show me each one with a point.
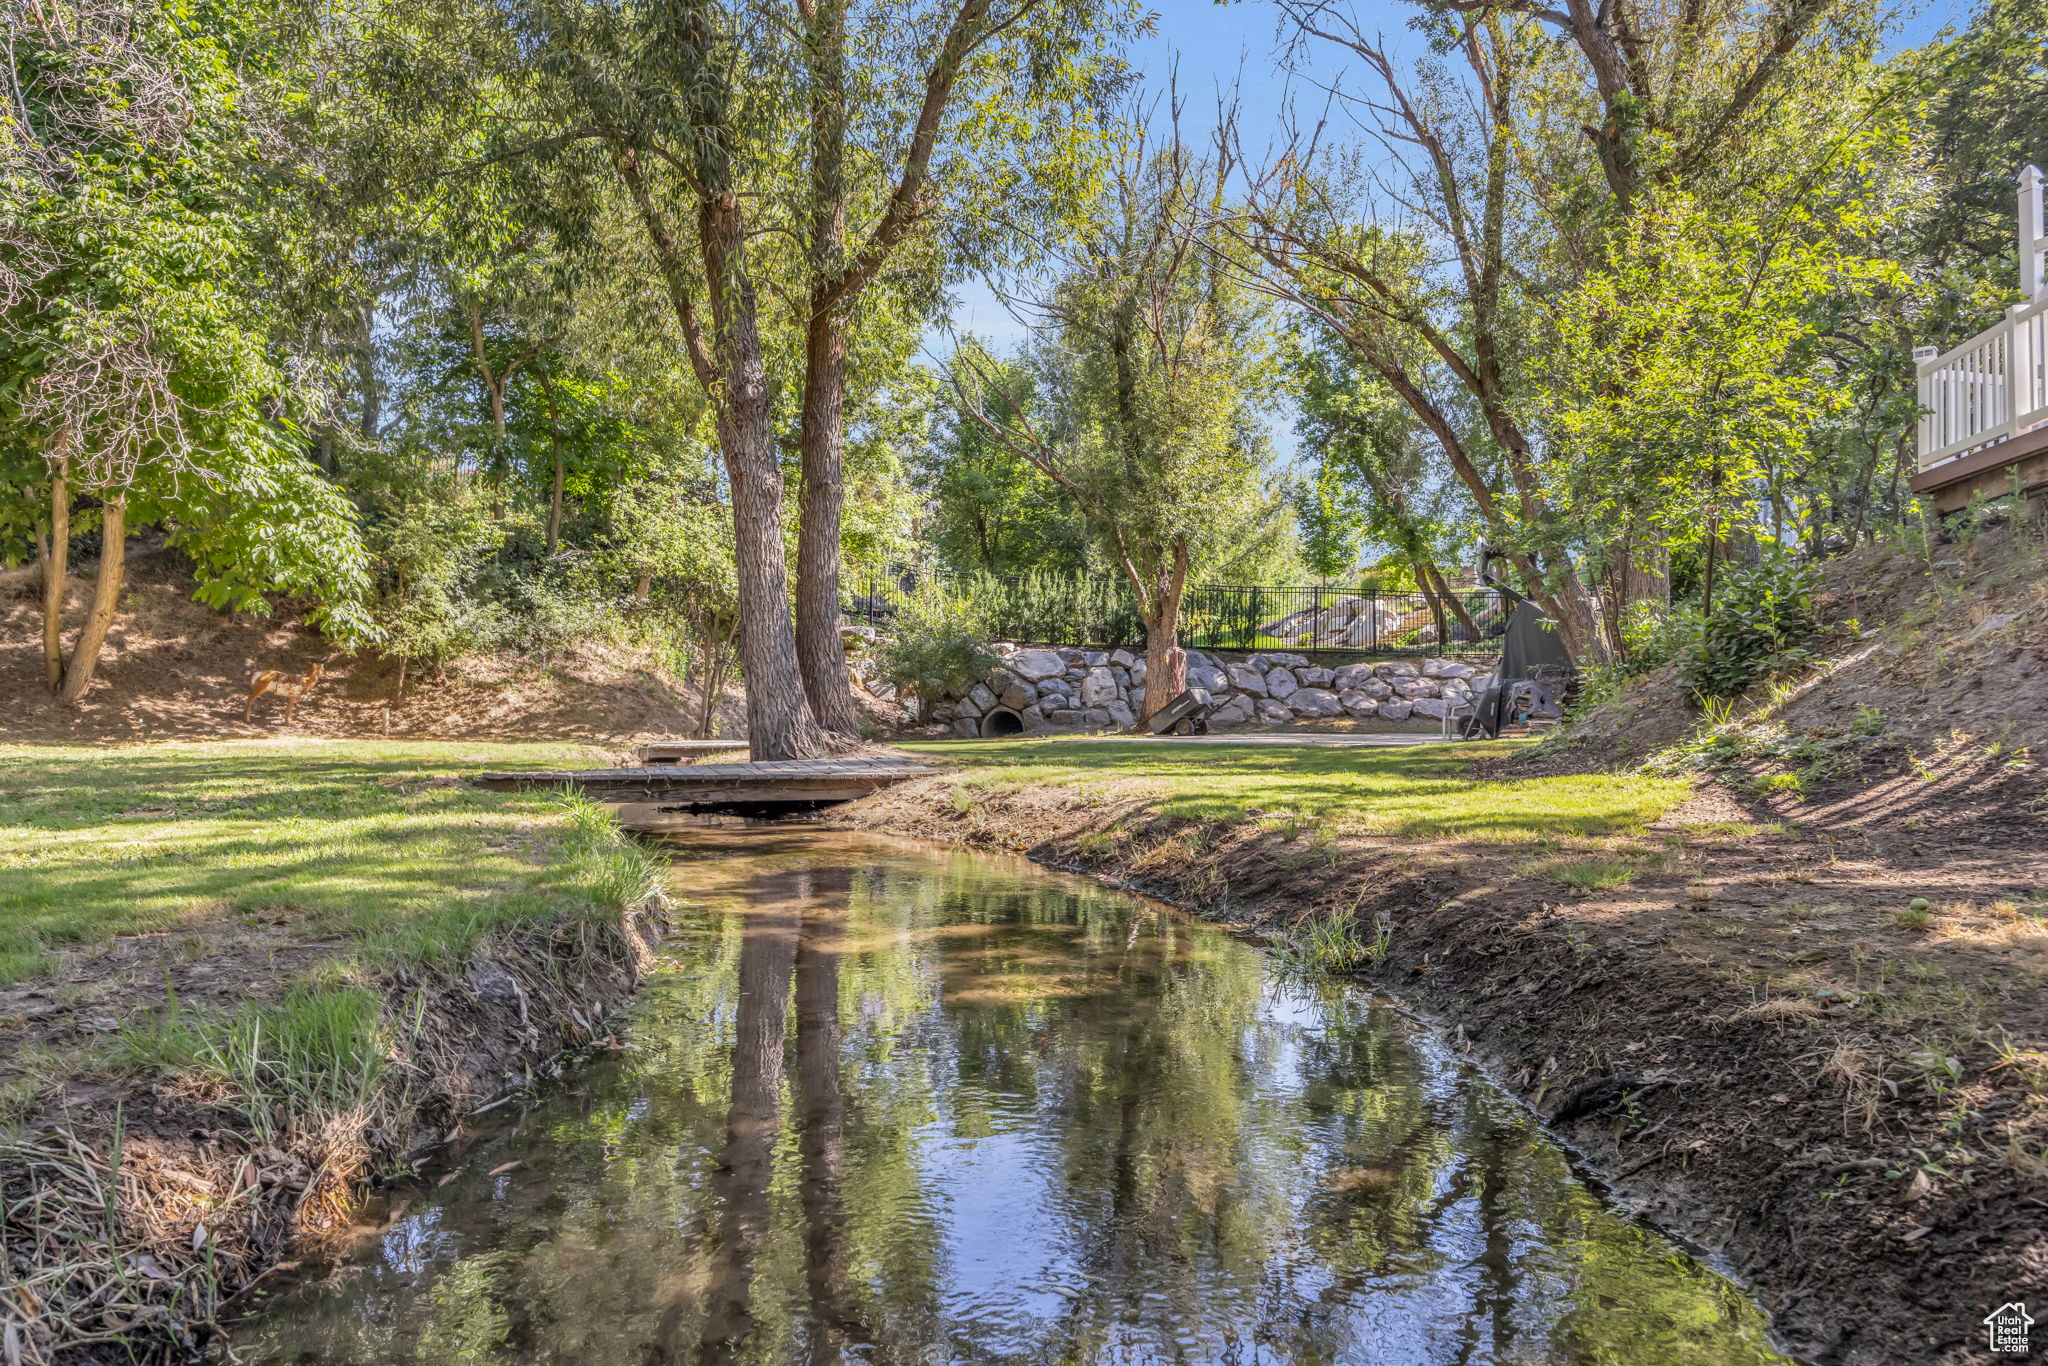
(56, 569)
(821, 441)
(106, 597)
(821, 656)
(1166, 663)
(779, 720)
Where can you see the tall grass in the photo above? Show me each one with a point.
(317, 1052)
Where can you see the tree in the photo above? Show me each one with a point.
(139, 359)
(1149, 372)
(1374, 482)
(947, 115)
(992, 511)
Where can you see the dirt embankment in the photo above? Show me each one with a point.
(174, 669)
(1803, 1019)
(155, 1198)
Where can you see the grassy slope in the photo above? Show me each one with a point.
(374, 843)
(1418, 791)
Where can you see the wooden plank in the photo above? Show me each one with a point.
(768, 783)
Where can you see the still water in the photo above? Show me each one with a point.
(896, 1104)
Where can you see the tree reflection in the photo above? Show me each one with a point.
(910, 1106)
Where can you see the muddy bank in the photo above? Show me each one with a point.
(1751, 1044)
(144, 1204)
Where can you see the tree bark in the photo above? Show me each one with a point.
(821, 655)
(555, 434)
(729, 366)
(56, 571)
(1166, 663)
(106, 597)
(821, 438)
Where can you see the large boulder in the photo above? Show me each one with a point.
(1433, 707)
(1290, 661)
(1272, 711)
(1357, 703)
(1313, 677)
(1350, 676)
(1445, 668)
(1205, 676)
(966, 729)
(1122, 658)
(1393, 669)
(1033, 719)
(1000, 681)
(1137, 673)
(1098, 688)
(1035, 665)
(1095, 718)
(1412, 688)
(1018, 696)
(1281, 683)
(1315, 702)
(981, 697)
(1235, 711)
(1247, 679)
(1065, 717)
(1395, 710)
(1121, 715)
(969, 708)
(1096, 659)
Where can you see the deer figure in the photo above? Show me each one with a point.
(292, 686)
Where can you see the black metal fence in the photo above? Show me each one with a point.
(1067, 610)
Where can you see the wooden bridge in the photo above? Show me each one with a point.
(776, 785)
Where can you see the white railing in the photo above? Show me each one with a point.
(1995, 385)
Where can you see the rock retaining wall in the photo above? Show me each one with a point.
(1039, 689)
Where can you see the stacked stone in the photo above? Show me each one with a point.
(1093, 690)
(1276, 688)
(1054, 690)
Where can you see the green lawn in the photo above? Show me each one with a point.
(1420, 790)
(373, 843)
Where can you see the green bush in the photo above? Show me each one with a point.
(936, 646)
(1764, 624)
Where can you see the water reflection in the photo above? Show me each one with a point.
(898, 1105)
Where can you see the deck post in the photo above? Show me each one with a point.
(2033, 240)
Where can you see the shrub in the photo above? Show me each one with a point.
(935, 646)
(1763, 625)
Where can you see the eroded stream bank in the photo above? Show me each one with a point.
(890, 1102)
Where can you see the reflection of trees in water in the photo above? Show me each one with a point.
(1210, 1162)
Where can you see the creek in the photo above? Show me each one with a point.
(889, 1102)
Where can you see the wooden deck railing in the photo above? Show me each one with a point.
(1995, 385)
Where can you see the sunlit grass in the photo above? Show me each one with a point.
(1418, 791)
(374, 843)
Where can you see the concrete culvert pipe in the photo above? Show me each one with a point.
(1002, 721)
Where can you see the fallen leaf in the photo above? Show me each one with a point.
(503, 1167)
(151, 1267)
(1915, 1235)
(446, 1179)
(198, 1237)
